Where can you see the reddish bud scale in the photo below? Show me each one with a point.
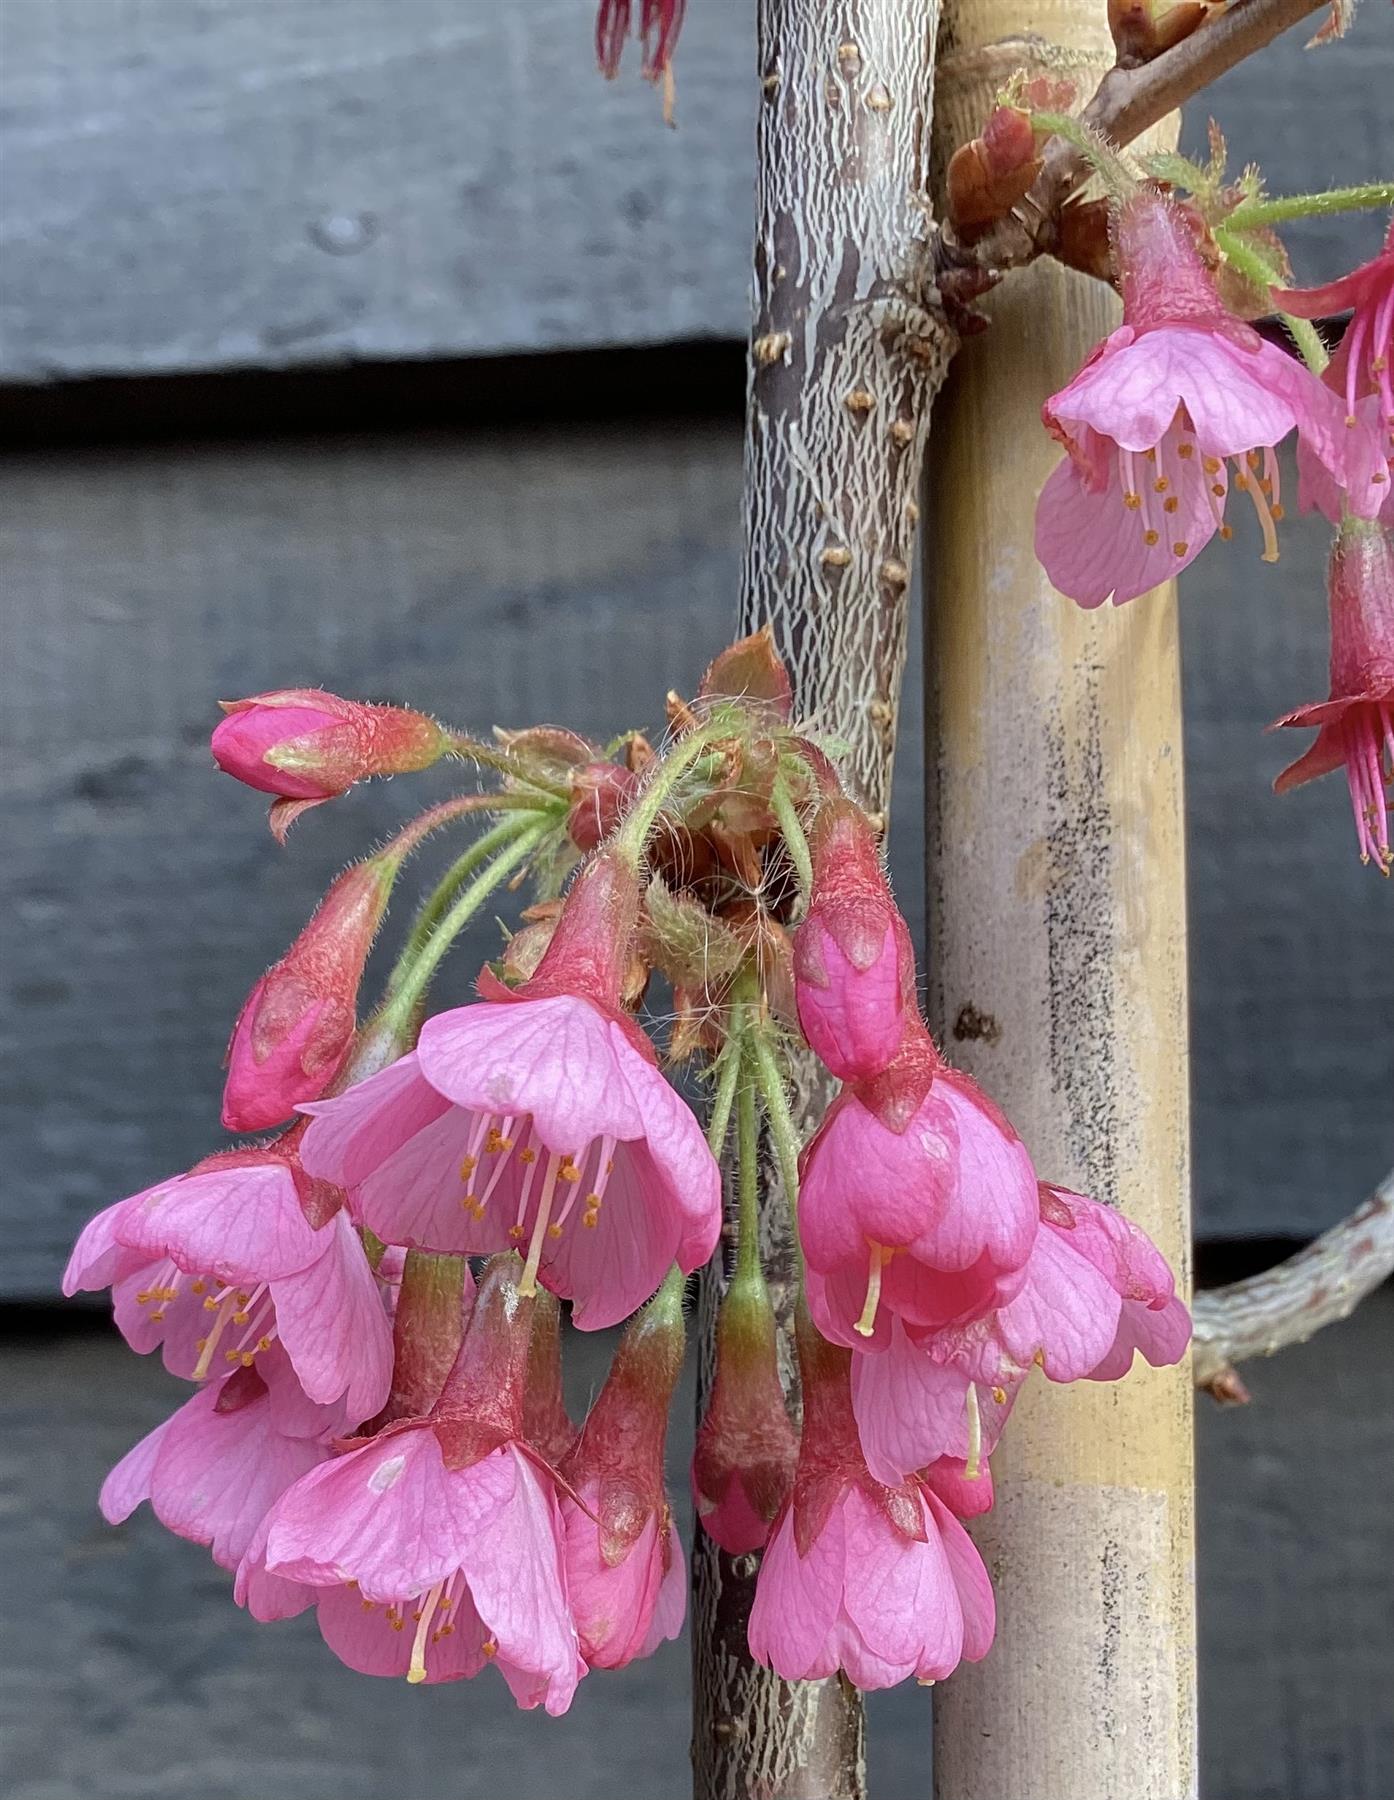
(296, 1026)
(854, 969)
(746, 1449)
(601, 794)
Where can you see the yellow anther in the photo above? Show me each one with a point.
(263, 1343)
(240, 1318)
(1150, 537)
(1161, 484)
(489, 1647)
(247, 1358)
(517, 1233)
(157, 1318)
(211, 1304)
(1132, 501)
(590, 1220)
(527, 1154)
(496, 1141)
(567, 1170)
(1180, 547)
(197, 1287)
(554, 1230)
(468, 1165)
(1226, 532)
(1186, 450)
(1000, 1396)
(1211, 465)
(1170, 504)
(200, 1343)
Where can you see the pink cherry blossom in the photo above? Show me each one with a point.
(445, 1531)
(917, 1202)
(242, 1252)
(621, 1551)
(1355, 725)
(1362, 372)
(536, 1119)
(306, 746)
(1095, 1290)
(1154, 420)
(881, 1582)
(214, 1468)
(854, 969)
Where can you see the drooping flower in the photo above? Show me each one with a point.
(879, 1581)
(306, 746)
(625, 1572)
(215, 1467)
(1362, 373)
(746, 1449)
(1095, 1290)
(1355, 725)
(537, 1119)
(917, 1202)
(854, 969)
(297, 1025)
(438, 1543)
(1157, 416)
(244, 1251)
(658, 27)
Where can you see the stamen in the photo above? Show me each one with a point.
(224, 1309)
(866, 1325)
(527, 1287)
(1265, 517)
(416, 1671)
(973, 1463)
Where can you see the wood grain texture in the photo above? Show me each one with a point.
(1056, 884)
(226, 184)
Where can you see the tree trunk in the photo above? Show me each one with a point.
(1057, 974)
(844, 363)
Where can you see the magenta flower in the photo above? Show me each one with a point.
(1355, 725)
(917, 1202)
(306, 746)
(244, 1251)
(214, 1468)
(1158, 414)
(881, 1582)
(296, 1026)
(1095, 1290)
(854, 970)
(1362, 372)
(625, 1572)
(536, 1119)
(743, 1460)
(439, 1541)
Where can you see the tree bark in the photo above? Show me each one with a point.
(1057, 974)
(845, 359)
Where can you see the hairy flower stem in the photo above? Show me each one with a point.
(783, 1132)
(410, 987)
(1256, 268)
(748, 1175)
(434, 908)
(795, 840)
(633, 834)
(504, 762)
(1278, 209)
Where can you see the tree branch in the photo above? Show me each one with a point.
(1125, 104)
(1287, 1304)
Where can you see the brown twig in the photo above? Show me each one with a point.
(1287, 1304)
(1125, 104)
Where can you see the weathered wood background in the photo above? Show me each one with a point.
(259, 268)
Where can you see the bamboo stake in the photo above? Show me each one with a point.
(1057, 974)
(844, 362)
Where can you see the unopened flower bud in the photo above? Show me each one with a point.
(306, 746)
(853, 965)
(743, 1461)
(624, 1567)
(297, 1024)
(601, 793)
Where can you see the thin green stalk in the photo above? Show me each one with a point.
(1278, 209)
(437, 903)
(728, 1073)
(783, 1134)
(1308, 340)
(412, 987)
(1101, 155)
(747, 1173)
(490, 756)
(795, 839)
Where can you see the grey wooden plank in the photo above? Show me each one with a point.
(1296, 1572)
(226, 184)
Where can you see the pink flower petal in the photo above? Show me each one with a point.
(390, 1516)
(977, 1603)
(899, 1593)
(242, 1223)
(797, 1601)
(910, 1410)
(1161, 1334)
(334, 1327)
(1067, 1311)
(99, 1258)
(129, 1482)
(612, 1605)
(417, 1195)
(361, 1635)
(353, 1133)
(671, 1607)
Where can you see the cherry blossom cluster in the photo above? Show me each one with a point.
(1186, 402)
(367, 1302)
